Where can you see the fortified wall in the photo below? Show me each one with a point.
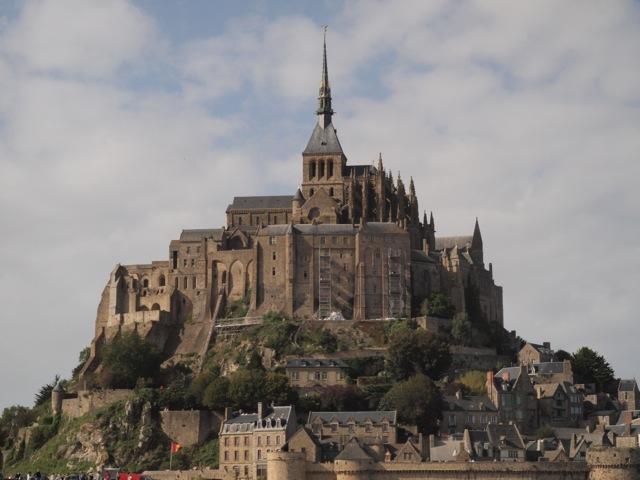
(85, 401)
(189, 427)
(602, 464)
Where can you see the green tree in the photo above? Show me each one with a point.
(44, 393)
(83, 356)
(418, 402)
(461, 330)
(590, 367)
(129, 358)
(544, 431)
(474, 381)
(276, 390)
(328, 341)
(339, 398)
(13, 419)
(562, 355)
(437, 305)
(216, 395)
(417, 351)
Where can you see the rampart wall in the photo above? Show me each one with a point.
(88, 400)
(189, 427)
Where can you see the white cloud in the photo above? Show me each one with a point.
(524, 114)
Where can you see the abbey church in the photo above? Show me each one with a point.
(348, 243)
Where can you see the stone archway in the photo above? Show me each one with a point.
(236, 281)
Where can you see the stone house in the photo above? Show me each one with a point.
(313, 373)
(511, 392)
(461, 413)
(535, 353)
(559, 404)
(368, 435)
(369, 426)
(496, 442)
(629, 395)
(246, 438)
(551, 372)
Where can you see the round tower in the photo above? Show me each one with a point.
(286, 466)
(613, 463)
(57, 395)
(352, 469)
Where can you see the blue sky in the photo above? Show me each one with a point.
(123, 122)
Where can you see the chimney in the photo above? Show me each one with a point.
(546, 345)
(541, 446)
(260, 410)
(227, 413)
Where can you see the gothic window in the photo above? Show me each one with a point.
(193, 282)
(174, 255)
(176, 282)
(274, 255)
(162, 281)
(331, 192)
(311, 192)
(239, 220)
(275, 219)
(314, 213)
(312, 169)
(188, 250)
(145, 283)
(330, 170)
(184, 283)
(320, 168)
(193, 262)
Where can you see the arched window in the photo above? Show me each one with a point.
(311, 192)
(155, 306)
(320, 168)
(193, 283)
(239, 220)
(162, 281)
(145, 283)
(329, 168)
(177, 281)
(312, 168)
(185, 285)
(331, 192)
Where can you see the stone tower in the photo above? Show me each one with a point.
(614, 463)
(57, 395)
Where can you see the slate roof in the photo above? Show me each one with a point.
(477, 403)
(323, 140)
(627, 385)
(498, 433)
(315, 363)
(461, 241)
(246, 422)
(382, 227)
(359, 417)
(420, 256)
(198, 234)
(261, 202)
(548, 368)
(353, 451)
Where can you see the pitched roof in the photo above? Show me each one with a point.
(505, 435)
(476, 403)
(359, 417)
(315, 362)
(627, 385)
(261, 202)
(323, 140)
(246, 422)
(353, 451)
(548, 368)
(197, 234)
(382, 227)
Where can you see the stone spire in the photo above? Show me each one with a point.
(476, 245)
(324, 96)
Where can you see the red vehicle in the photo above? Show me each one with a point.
(129, 476)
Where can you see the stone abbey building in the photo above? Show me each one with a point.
(350, 242)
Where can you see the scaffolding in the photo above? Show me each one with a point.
(396, 284)
(324, 283)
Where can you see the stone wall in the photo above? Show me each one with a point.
(189, 427)
(292, 466)
(620, 463)
(86, 401)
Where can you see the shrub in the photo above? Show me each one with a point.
(417, 351)
(437, 305)
(129, 358)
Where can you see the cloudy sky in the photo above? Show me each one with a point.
(123, 122)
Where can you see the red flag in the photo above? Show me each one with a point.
(175, 447)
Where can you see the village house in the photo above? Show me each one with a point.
(534, 353)
(313, 373)
(472, 412)
(511, 392)
(559, 404)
